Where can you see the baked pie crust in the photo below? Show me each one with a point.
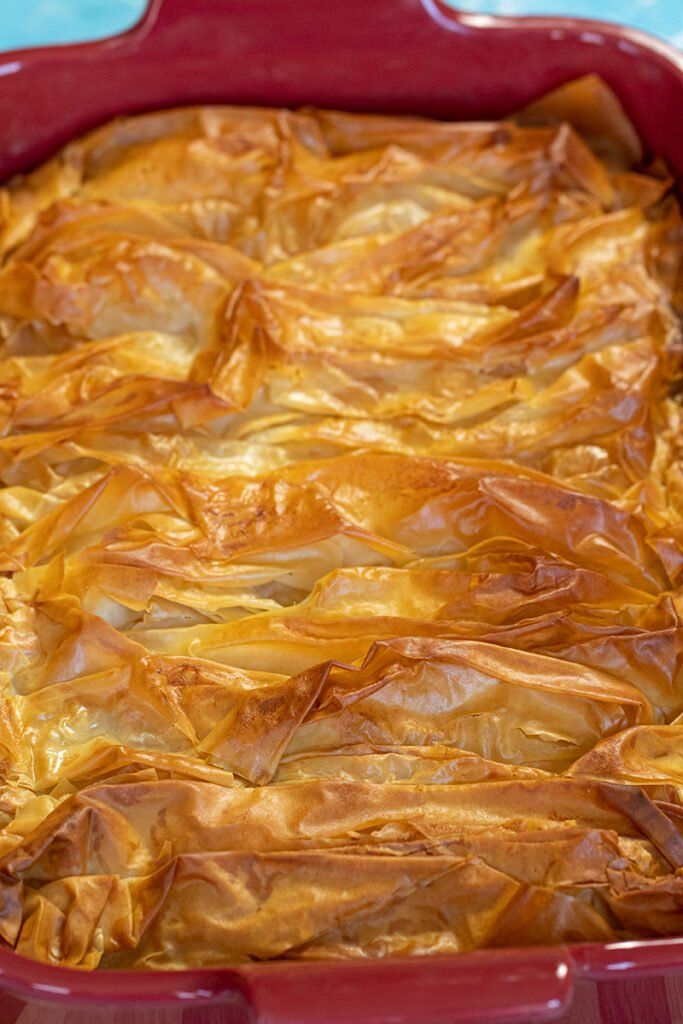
(340, 538)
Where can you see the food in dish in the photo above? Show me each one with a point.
(341, 538)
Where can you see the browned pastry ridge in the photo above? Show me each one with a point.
(341, 538)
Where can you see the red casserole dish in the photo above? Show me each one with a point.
(410, 56)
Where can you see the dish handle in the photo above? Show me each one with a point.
(503, 987)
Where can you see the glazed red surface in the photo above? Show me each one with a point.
(379, 55)
(376, 55)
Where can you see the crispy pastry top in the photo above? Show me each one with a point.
(340, 538)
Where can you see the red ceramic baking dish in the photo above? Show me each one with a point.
(411, 56)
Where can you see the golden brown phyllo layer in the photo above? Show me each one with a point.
(341, 539)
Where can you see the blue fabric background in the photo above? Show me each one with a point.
(34, 22)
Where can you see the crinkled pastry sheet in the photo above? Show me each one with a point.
(340, 538)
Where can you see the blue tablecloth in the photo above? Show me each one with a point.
(34, 22)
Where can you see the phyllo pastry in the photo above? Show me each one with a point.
(341, 538)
